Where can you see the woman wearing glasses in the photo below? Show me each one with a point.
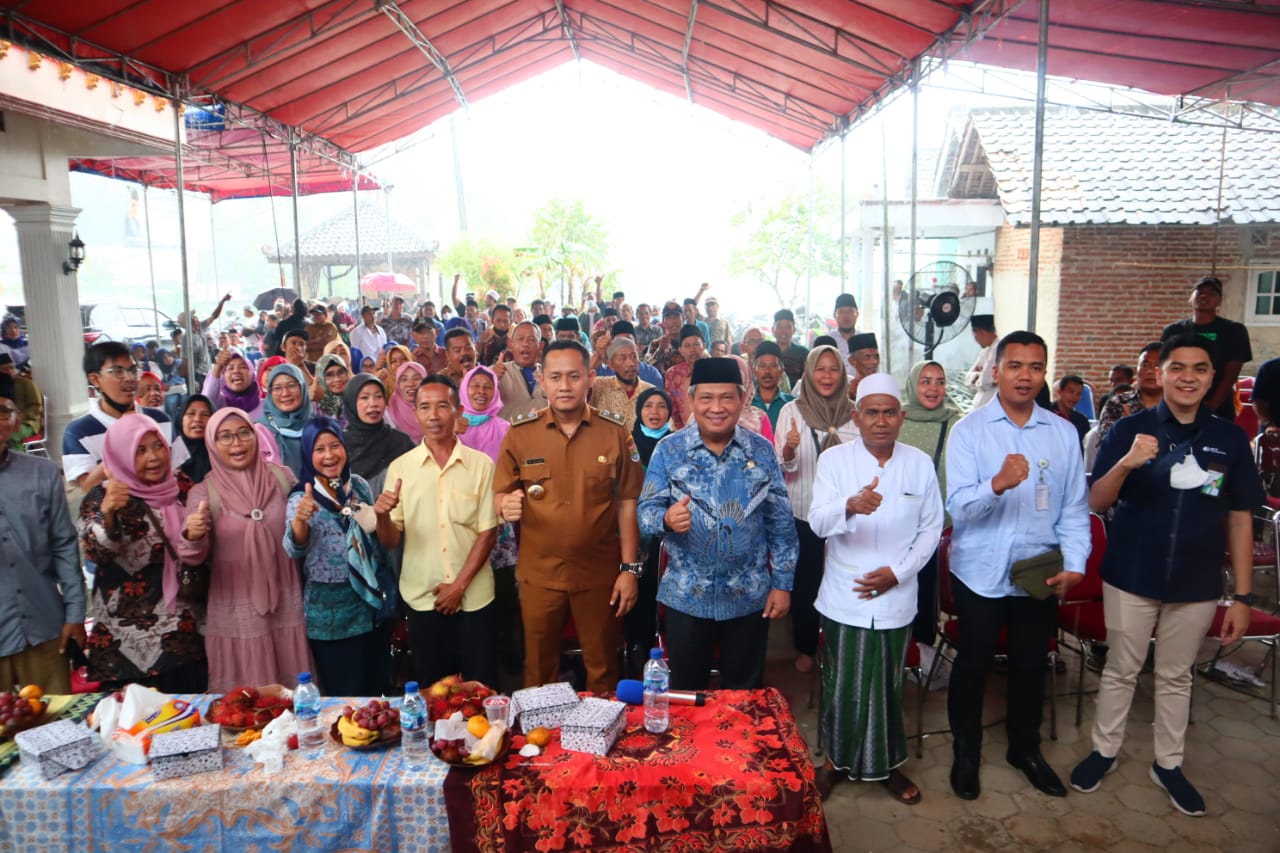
(285, 411)
(256, 632)
(148, 628)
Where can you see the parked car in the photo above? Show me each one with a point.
(104, 321)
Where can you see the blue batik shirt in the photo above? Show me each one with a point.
(743, 540)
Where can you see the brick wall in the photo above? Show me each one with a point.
(1119, 285)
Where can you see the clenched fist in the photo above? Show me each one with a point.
(1144, 449)
(513, 506)
(1015, 469)
(388, 500)
(117, 495)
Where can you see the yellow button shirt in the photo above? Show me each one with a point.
(442, 511)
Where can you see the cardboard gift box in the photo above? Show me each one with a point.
(57, 748)
(545, 706)
(187, 751)
(593, 726)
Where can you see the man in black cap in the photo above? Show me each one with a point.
(767, 367)
(568, 329)
(982, 376)
(1228, 343)
(793, 355)
(864, 358)
(662, 352)
(846, 317)
(546, 327)
(716, 496)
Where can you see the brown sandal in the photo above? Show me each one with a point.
(902, 788)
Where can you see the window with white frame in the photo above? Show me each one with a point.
(1264, 292)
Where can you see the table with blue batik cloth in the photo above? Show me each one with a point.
(343, 800)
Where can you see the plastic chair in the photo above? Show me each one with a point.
(1263, 628)
(37, 445)
(1081, 616)
(949, 631)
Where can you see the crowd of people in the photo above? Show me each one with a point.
(491, 475)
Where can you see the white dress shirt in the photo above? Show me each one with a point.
(798, 474)
(982, 377)
(369, 341)
(902, 533)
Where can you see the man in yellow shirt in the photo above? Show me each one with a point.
(440, 502)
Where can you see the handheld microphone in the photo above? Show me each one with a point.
(632, 692)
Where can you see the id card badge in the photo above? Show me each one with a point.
(1042, 489)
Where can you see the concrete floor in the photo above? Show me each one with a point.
(1233, 756)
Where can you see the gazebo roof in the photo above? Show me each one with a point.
(334, 240)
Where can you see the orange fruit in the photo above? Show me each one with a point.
(478, 725)
(539, 736)
(31, 691)
(37, 707)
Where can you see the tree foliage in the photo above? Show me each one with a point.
(573, 246)
(772, 244)
(484, 264)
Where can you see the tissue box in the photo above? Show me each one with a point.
(593, 726)
(187, 751)
(58, 748)
(544, 706)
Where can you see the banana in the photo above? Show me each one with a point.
(354, 735)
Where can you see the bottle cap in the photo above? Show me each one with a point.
(304, 678)
(655, 654)
(411, 687)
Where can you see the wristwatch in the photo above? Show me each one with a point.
(636, 569)
(1248, 599)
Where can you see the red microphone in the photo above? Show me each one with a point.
(632, 692)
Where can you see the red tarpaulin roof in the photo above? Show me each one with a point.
(344, 71)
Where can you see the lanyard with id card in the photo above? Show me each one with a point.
(1042, 488)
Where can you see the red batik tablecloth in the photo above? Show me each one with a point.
(734, 775)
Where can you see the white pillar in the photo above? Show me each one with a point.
(52, 313)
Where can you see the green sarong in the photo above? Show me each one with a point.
(862, 726)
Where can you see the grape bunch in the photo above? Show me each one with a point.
(15, 712)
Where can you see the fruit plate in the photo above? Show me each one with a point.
(7, 732)
(389, 736)
(503, 749)
(278, 691)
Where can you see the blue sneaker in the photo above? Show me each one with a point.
(1087, 776)
(1182, 794)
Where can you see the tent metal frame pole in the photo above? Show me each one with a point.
(187, 345)
(915, 196)
(844, 233)
(1037, 168)
(355, 206)
(808, 264)
(297, 240)
(151, 264)
(390, 264)
(887, 240)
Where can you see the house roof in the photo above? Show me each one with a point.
(334, 240)
(1107, 168)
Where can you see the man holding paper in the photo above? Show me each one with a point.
(1016, 494)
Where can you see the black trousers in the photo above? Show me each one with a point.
(1029, 625)
(924, 629)
(641, 622)
(692, 643)
(804, 618)
(461, 642)
(355, 666)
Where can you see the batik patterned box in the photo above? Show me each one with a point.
(186, 751)
(57, 748)
(544, 706)
(593, 726)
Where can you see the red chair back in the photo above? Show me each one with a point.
(946, 595)
(1090, 589)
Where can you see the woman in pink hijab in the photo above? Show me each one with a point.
(401, 410)
(256, 630)
(147, 629)
(481, 403)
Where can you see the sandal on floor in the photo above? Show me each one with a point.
(902, 788)
(825, 778)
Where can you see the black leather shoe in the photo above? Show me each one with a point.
(964, 778)
(1038, 772)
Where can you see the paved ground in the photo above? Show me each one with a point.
(1233, 755)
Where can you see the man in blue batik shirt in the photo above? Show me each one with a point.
(1015, 490)
(714, 491)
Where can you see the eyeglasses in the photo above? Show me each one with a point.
(119, 372)
(285, 386)
(7, 411)
(226, 439)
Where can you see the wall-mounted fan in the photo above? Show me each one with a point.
(944, 302)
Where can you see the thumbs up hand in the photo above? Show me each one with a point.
(198, 523)
(793, 441)
(865, 501)
(306, 507)
(513, 506)
(388, 500)
(677, 517)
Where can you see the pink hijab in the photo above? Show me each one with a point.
(399, 410)
(119, 454)
(487, 435)
(252, 491)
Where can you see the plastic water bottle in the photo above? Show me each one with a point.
(306, 713)
(413, 727)
(657, 680)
